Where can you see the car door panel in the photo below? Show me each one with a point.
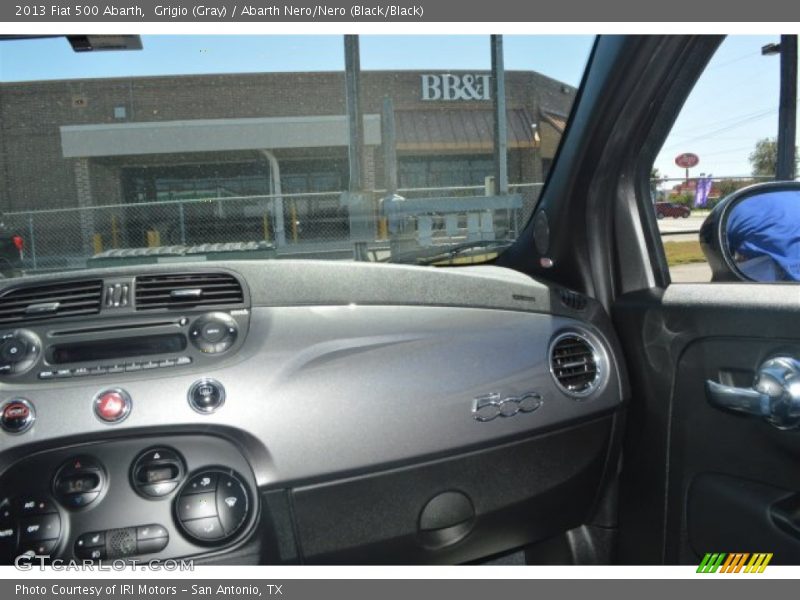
(686, 461)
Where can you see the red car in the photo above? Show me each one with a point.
(672, 209)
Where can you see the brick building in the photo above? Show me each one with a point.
(123, 141)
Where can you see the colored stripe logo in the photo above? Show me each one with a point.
(736, 562)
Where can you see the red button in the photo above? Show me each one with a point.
(17, 416)
(112, 406)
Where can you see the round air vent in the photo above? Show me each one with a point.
(576, 363)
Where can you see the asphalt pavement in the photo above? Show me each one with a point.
(685, 230)
(689, 224)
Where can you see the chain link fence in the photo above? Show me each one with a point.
(294, 223)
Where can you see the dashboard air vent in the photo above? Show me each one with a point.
(573, 300)
(47, 301)
(186, 290)
(575, 364)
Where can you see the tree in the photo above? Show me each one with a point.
(764, 158)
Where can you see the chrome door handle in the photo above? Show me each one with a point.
(775, 395)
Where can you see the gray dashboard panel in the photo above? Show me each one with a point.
(336, 389)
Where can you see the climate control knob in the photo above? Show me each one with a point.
(213, 506)
(214, 333)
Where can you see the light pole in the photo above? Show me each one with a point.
(787, 113)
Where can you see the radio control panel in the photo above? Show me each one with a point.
(130, 346)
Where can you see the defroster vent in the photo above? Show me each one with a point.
(575, 363)
(187, 290)
(51, 300)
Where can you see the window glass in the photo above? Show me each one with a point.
(246, 139)
(724, 139)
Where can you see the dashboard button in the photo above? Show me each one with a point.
(158, 490)
(40, 548)
(99, 370)
(151, 545)
(197, 506)
(120, 368)
(159, 454)
(93, 539)
(206, 395)
(28, 505)
(8, 532)
(231, 503)
(13, 350)
(80, 500)
(133, 366)
(183, 360)
(81, 372)
(98, 553)
(203, 482)
(63, 373)
(148, 532)
(208, 529)
(112, 406)
(213, 332)
(150, 364)
(47, 374)
(17, 415)
(167, 362)
(42, 527)
(5, 509)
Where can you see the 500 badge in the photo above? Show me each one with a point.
(491, 406)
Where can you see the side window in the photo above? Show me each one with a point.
(724, 139)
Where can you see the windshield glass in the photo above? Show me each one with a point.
(122, 150)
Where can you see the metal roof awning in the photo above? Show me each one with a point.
(211, 135)
(558, 121)
(460, 129)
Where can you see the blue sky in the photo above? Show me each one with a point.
(734, 104)
(560, 57)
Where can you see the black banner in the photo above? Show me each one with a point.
(403, 589)
(335, 11)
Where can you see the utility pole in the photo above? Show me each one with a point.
(787, 113)
(500, 122)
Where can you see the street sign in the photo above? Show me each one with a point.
(687, 160)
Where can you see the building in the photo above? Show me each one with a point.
(80, 144)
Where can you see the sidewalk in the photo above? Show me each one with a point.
(691, 273)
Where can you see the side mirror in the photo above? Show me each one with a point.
(754, 234)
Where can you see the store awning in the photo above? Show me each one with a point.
(212, 135)
(559, 122)
(459, 129)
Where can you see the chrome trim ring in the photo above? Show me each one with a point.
(599, 356)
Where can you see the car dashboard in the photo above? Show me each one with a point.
(285, 412)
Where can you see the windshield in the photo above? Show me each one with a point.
(122, 150)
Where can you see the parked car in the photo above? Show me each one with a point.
(672, 209)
